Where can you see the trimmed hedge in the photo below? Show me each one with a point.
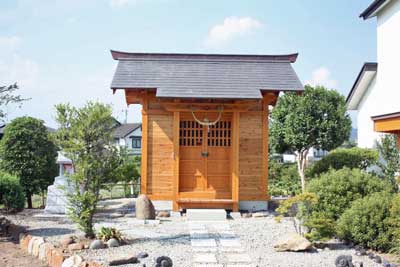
(367, 222)
(337, 189)
(360, 158)
(11, 193)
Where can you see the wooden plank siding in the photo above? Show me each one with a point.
(160, 157)
(251, 174)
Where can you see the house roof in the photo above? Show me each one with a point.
(124, 129)
(373, 8)
(360, 86)
(205, 75)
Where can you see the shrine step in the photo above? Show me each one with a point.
(206, 214)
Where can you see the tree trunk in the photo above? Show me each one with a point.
(301, 158)
(29, 200)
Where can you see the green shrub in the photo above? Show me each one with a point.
(337, 189)
(284, 179)
(360, 158)
(11, 192)
(319, 227)
(107, 233)
(366, 222)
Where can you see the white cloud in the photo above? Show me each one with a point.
(121, 3)
(322, 76)
(231, 28)
(9, 43)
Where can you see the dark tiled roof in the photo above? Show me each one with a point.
(374, 6)
(205, 76)
(125, 129)
(368, 66)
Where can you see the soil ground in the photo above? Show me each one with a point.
(12, 256)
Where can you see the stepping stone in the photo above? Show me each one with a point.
(203, 242)
(230, 242)
(233, 258)
(199, 234)
(197, 226)
(205, 258)
(206, 214)
(227, 234)
(241, 265)
(221, 227)
(205, 249)
(232, 249)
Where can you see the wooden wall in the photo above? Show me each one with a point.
(160, 160)
(252, 184)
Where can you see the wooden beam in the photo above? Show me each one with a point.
(207, 107)
(265, 140)
(145, 134)
(175, 183)
(235, 161)
(388, 125)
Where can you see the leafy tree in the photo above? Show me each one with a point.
(283, 178)
(27, 151)
(11, 192)
(315, 119)
(390, 153)
(85, 136)
(7, 96)
(360, 158)
(128, 172)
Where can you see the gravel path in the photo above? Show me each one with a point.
(171, 237)
(258, 236)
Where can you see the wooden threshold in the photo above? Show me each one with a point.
(205, 200)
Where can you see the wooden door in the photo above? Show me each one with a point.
(205, 152)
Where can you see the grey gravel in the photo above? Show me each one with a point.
(171, 238)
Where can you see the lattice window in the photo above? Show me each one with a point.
(190, 133)
(220, 134)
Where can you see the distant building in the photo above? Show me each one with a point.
(129, 135)
(375, 94)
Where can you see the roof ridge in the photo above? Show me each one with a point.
(119, 55)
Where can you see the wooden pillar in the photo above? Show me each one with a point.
(175, 184)
(235, 161)
(265, 112)
(145, 133)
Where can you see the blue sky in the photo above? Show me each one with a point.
(58, 50)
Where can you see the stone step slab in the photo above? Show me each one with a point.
(206, 214)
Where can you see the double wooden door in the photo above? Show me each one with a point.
(205, 157)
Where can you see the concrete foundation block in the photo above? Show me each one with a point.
(253, 206)
(206, 214)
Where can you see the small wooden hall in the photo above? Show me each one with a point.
(205, 124)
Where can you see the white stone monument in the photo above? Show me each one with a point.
(57, 201)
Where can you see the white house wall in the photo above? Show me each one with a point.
(383, 94)
(370, 105)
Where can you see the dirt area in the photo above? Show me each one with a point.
(12, 256)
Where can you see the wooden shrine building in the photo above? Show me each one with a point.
(205, 124)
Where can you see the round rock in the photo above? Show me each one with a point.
(113, 243)
(142, 255)
(73, 261)
(96, 244)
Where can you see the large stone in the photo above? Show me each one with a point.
(163, 214)
(76, 246)
(57, 258)
(73, 261)
(36, 246)
(96, 244)
(123, 261)
(66, 241)
(144, 208)
(293, 242)
(113, 243)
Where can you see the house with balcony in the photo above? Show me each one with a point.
(375, 94)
